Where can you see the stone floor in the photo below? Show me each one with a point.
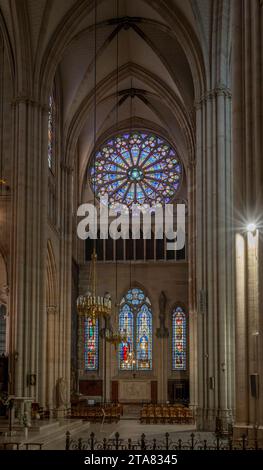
(52, 434)
(133, 429)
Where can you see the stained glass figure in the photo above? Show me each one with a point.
(144, 338)
(51, 132)
(135, 308)
(179, 339)
(126, 328)
(91, 345)
(2, 329)
(136, 168)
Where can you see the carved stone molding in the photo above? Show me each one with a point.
(67, 168)
(52, 309)
(219, 90)
(29, 100)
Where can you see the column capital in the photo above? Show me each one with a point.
(219, 90)
(191, 163)
(67, 168)
(26, 99)
(52, 309)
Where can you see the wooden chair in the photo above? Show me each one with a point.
(143, 415)
(166, 414)
(158, 414)
(151, 414)
(173, 415)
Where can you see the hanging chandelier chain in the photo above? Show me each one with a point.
(117, 121)
(90, 305)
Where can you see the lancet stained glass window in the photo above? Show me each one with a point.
(91, 344)
(126, 327)
(136, 168)
(51, 132)
(144, 338)
(2, 329)
(136, 351)
(179, 339)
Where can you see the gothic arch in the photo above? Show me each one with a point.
(7, 44)
(123, 126)
(51, 326)
(64, 33)
(165, 94)
(22, 58)
(51, 278)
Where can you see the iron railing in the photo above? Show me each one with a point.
(167, 443)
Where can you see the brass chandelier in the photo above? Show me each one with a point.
(116, 337)
(92, 305)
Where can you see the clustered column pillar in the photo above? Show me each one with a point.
(65, 277)
(214, 259)
(28, 249)
(193, 343)
(247, 69)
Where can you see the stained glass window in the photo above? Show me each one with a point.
(136, 168)
(144, 338)
(2, 329)
(91, 344)
(135, 309)
(126, 327)
(179, 340)
(51, 132)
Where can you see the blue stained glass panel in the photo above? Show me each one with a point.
(51, 132)
(91, 345)
(179, 339)
(126, 328)
(137, 157)
(135, 309)
(144, 339)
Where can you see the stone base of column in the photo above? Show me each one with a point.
(252, 432)
(61, 412)
(213, 420)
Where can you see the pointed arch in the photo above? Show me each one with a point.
(179, 339)
(135, 323)
(51, 278)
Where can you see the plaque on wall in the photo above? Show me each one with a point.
(134, 391)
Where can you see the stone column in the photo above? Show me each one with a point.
(192, 318)
(214, 258)
(28, 246)
(64, 326)
(247, 69)
(51, 358)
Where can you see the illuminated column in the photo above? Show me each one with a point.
(252, 323)
(241, 332)
(247, 65)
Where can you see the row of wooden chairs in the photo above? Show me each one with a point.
(166, 414)
(97, 414)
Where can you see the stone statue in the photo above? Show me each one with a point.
(61, 392)
(74, 384)
(108, 325)
(162, 331)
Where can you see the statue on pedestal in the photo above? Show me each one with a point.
(61, 393)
